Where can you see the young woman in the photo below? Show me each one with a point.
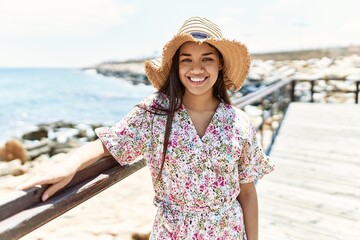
(201, 151)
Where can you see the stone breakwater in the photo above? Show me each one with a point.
(131, 71)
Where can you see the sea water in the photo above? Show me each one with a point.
(33, 96)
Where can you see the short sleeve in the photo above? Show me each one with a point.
(126, 140)
(254, 163)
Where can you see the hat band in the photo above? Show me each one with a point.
(199, 35)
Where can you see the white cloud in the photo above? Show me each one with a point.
(73, 17)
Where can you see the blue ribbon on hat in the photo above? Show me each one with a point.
(199, 35)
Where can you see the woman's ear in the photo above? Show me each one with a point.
(221, 64)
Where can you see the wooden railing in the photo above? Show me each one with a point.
(23, 211)
(312, 88)
(272, 100)
(275, 99)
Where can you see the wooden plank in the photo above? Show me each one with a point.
(314, 191)
(79, 190)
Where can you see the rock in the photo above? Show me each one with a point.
(275, 125)
(287, 71)
(323, 62)
(307, 76)
(86, 131)
(38, 134)
(340, 98)
(341, 85)
(37, 148)
(140, 236)
(353, 77)
(14, 168)
(14, 149)
(253, 76)
(320, 97)
(271, 79)
(132, 71)
(64, 134)
(253, 111)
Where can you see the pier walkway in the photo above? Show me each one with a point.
(314, 192)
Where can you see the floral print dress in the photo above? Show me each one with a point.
(196, 197)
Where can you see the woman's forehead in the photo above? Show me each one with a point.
(190, 47)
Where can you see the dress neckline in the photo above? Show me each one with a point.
(211, 123)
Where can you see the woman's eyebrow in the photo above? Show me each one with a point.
(209, 53)
(185, 54)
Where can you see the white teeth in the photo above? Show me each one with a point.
(197, 79)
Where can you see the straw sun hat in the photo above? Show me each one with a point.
(196, 29)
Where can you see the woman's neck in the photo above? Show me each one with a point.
(200, 103)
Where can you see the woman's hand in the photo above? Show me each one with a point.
(60, 174)
(57, 175)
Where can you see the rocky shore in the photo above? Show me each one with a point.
(46, 142)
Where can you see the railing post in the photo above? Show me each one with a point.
(312, 82)
(357, 92)
(292, 93)
(261, 129)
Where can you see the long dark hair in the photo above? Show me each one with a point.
(174, 90)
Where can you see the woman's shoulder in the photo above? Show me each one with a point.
(237, 114)
(155, 102)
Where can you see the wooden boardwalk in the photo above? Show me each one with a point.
(314, 192)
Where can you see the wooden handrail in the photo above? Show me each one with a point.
(258, 95)
(313, 81)
(257, 98)
(24, 211)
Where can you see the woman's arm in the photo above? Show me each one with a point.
(61, 174)
(249, 204)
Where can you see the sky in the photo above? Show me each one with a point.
(81, 33)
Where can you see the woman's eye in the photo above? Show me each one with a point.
(186, 60)
(207, 59)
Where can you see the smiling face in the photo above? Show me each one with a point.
(199, 66)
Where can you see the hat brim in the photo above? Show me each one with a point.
(235, 54)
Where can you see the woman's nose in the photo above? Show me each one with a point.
(197, 68)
